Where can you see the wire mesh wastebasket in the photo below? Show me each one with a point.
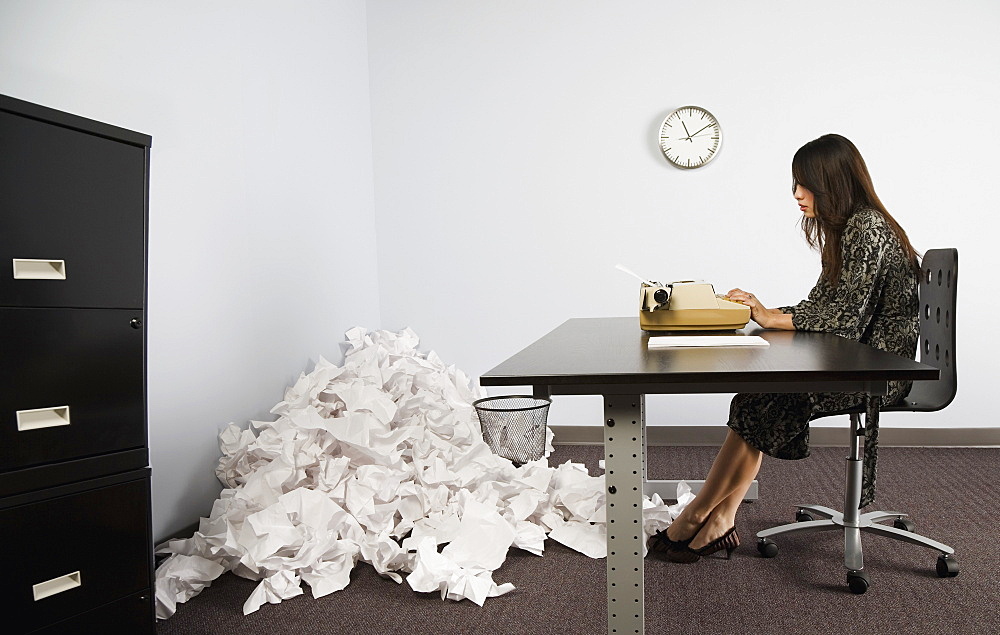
(514, 425)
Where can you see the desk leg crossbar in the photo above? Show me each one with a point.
(624, 464)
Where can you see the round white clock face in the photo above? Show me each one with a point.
(690, 137)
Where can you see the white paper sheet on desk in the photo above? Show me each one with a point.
(685, 341)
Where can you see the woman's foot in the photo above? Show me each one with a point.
(713, 530)
(729, 541)
(664, 545)
(658, 545)
(683, 529)
(685, 553)
(675, 547)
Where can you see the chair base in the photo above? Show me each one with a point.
(852, 522)
(868, 522)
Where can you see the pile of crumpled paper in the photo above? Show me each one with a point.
(381, 460)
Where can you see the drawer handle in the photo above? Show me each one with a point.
(32, 269)
(51, 587)
(42, 418)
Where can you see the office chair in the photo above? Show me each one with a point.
(938, 287)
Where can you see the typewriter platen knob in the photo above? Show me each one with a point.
(661, 296)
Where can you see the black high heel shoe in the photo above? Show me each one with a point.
(728, 541)
(661, 544)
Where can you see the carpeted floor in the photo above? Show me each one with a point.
(952, 494)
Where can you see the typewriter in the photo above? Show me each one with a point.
(688, 306)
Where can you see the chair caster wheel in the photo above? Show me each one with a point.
(767, 548)
(802, 516)
(858, 581)
(947, 565)
(905, 524)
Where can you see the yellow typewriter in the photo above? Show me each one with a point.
(688, 306)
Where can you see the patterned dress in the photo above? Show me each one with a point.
(875, 303)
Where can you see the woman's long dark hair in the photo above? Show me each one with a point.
(832, 169)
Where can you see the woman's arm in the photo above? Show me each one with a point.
(779, 320)
(847, 308)
(844, 309)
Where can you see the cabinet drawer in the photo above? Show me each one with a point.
(73, 384)
(74, 553)
(74, 212)
(129, 616)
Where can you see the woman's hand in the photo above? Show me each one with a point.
(758, 312)
(767, 318)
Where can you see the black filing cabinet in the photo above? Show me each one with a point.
(74, 478)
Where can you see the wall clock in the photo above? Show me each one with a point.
(690, 137)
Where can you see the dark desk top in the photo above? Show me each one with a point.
(583, 354)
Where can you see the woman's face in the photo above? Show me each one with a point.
(805, 200)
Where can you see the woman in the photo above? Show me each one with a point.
(867, 291)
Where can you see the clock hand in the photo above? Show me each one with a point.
(688, 137)
(699, 130)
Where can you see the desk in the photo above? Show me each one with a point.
(609, 357)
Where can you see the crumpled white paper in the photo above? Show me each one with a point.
(380, 460)
(182, 577)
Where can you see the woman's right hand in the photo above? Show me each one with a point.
(765, 317)
(758, 312)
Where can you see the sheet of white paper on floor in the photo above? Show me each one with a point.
(483, 538)
(587, 538)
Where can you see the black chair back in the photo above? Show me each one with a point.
(938, 299)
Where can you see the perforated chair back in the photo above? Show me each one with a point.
(938, 299)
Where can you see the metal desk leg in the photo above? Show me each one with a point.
(624, 463)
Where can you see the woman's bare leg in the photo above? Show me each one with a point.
(722, 518)
(713, 511)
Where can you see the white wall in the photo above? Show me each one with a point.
(515, 160)
(262, 242)
(514, 164)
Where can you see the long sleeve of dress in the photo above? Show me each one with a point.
(847, 308)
